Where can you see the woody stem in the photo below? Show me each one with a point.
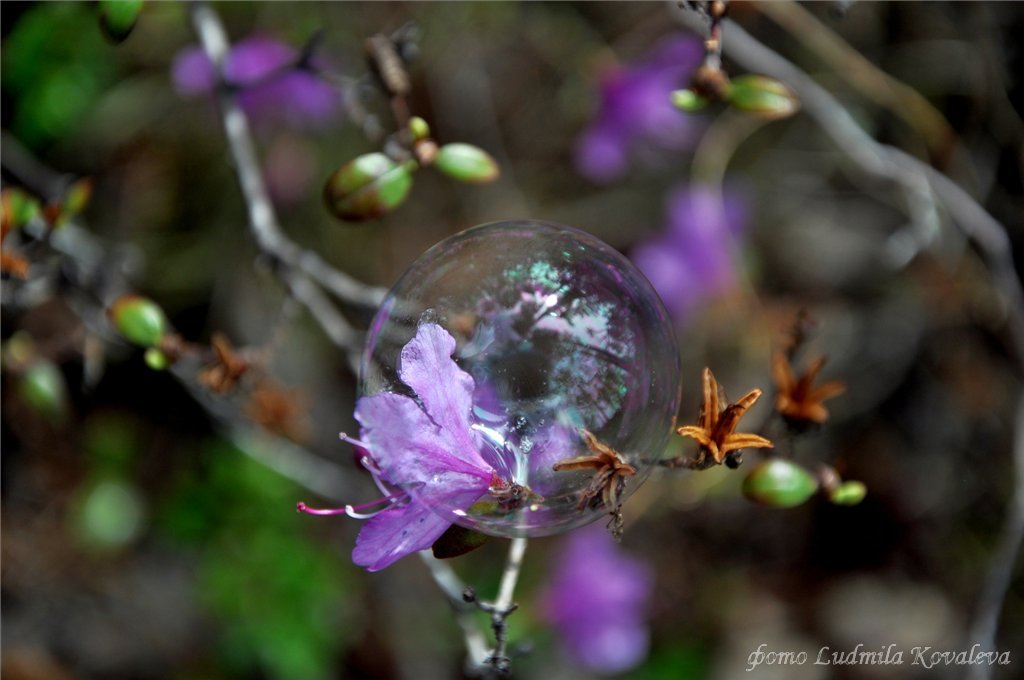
(503, 606)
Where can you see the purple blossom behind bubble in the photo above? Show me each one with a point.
(635, 108)
(597, 602)
(271, 92)
(693, 259)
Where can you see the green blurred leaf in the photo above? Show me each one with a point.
(42, 387)
(56, 68)
(118, 17)
(110, 515)
(279, 596)
(111, 442)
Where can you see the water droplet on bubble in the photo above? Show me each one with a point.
(560, 334)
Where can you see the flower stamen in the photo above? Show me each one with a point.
(353, 511)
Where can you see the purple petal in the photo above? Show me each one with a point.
(597, 601)
(413, 454)
(611, 646)
(550, 445)
(257, 57)
(669, 274)
(602, 154)
(192, 72)
(395, 533)
(444, 389)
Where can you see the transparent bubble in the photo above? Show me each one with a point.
(563, 339)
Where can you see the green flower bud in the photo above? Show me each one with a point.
(467, 163)
(18, 208)
(779, 483)
(849, 493)
(110, 514)
(138, 319)
(418, 128)
(370, 186)
(118, 17)
(689, 101)
(763, 96)
(42, 387)
(74, 201)
(156, 359)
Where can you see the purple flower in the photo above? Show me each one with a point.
(635, 108)
(694, 258)
(424, 452)
(272, 90)
(597, 601)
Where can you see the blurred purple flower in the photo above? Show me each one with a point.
(635, 107)
(597, 601)
(271, 90)
(693, 259)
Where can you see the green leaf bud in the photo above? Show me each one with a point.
(689, 101)
(41, 386)
(18, 208)
(418, 128)
(370, 186)
(849, 493)
(763, 96)
(156, 359)
(467, 163)
(779, 483)
(138, 319)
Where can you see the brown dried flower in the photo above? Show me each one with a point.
(222, 376)
(610, 473)
(799, 401)
(715, 430)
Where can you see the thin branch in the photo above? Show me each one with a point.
(453, 588)
(986, 620)
(870, 81)
(503, 606)
(262, 220)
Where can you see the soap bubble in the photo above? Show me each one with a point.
(563, 338)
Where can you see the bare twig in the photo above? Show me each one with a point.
(990, 604)
(504, 606)
(453, 588)
(870, 81)
(262, 220)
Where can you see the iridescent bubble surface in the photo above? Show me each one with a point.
(562, 336)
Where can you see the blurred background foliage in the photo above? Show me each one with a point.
(143, 536)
